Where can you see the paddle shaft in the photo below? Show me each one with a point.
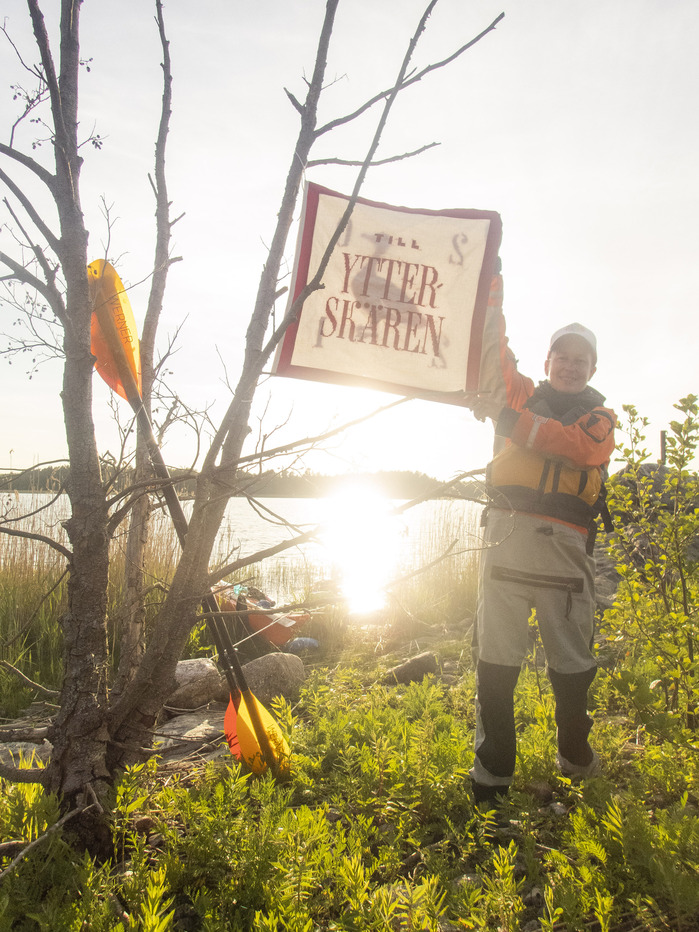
(219, 632)
(224, 646)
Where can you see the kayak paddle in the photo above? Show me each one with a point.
(115, 346)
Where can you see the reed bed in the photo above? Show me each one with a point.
(433, 583)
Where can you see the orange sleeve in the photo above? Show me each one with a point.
(500, 377)
(587, 442)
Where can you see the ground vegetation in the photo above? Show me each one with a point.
(376, 827)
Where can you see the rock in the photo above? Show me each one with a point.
(558, 809)
(413, 670)
(540, 790)
(12, 751)
(275, 675)
(189, 733)
(198, 683)
(448, 679)
(606, 581)
(534, 898)
(144, 824)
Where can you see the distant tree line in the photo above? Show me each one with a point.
(402, 484)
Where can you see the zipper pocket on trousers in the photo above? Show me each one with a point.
(568, 584)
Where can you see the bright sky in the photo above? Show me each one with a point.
(575, 121)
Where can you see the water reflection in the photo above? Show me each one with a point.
(363, 547)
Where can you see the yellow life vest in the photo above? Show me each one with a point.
(516, 467)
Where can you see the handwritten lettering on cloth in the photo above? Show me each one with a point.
(404, 298)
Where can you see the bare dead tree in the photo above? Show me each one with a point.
(132, 629)
(137, 710)
(96, 731)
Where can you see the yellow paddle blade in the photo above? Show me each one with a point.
(243, 741)
(114, 335)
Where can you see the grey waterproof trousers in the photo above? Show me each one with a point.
(531, 562)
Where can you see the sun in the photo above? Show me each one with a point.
(361, 537)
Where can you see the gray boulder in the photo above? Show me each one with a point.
(275, 675)
(198, 683)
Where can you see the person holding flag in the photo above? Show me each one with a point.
(553, 444)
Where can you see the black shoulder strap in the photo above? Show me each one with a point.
(602, 509)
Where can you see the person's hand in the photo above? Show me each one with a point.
(484, 406)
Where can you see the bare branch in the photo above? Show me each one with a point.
(393, 158)
(56, 298)
(294, 101)
(30, 735)
(21, 274)
(318, 438)
(316, 282)
(58, 98)
(40, 538)
(54, 828)
(223, 571)
(161, 261)
(170, 349)
(120, 514)
(33, 214)
(383, 95)
(30, 163)
(32, 70)
(51, 693)
(232, 430)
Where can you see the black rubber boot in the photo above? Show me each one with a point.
(495, 686)
(482, 793)
(572, 721)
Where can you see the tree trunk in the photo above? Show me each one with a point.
(132, 639)
(130, 633)
(79, 735)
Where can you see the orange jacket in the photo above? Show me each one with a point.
(554, 455)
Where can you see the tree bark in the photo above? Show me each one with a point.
(79, 734)
(132, 628)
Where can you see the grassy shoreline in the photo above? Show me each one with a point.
(376, 828)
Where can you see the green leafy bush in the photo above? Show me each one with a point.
(653, 628)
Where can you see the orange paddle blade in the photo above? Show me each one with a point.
(241, 736)
(114, 336)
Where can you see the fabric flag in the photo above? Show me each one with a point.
(404, 299)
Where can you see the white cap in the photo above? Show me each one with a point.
(579, 331)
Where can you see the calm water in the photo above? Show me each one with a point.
(361, 543)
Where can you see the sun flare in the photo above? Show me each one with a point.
(362, 543)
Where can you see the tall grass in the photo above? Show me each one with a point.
(440, 585)
(32, 600)
(434, 585)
